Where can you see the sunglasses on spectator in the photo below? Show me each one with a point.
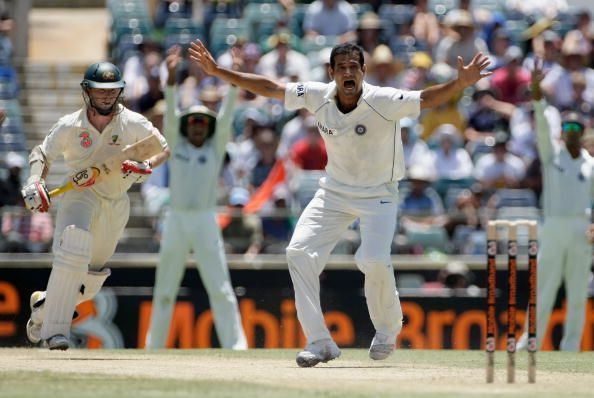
(197, 120)
(572, 127)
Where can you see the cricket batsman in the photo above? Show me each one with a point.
(91, 217)
(360, 124)
(197, 138)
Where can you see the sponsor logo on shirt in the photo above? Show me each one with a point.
(300, 90)
(326, 130)
(85, 139)
(360, 129)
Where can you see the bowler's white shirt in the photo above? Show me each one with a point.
(82, 145)
(365, 155)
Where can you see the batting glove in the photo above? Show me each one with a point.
(36, 197)
(139, 172)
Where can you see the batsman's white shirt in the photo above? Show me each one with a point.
(74, 137)
(365, 155)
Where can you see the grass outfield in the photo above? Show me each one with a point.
(273, 373)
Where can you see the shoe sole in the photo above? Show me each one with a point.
(381, 354)
(311, 362)
(61, 347)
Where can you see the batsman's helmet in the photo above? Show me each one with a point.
(103, 75)
(197, 111)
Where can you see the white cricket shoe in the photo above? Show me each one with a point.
(34, 328)
(382, 346)
(58, 342)
(319, 351)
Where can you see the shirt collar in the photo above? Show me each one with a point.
(331, 93)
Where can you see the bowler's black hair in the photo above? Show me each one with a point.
(346, 48)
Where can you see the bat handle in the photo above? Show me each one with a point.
(63, 189)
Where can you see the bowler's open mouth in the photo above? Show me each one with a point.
(349, 84)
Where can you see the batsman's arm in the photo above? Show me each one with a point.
(254, 83)
(38, 164)
(159, 158)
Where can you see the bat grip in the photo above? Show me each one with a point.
(63, 189)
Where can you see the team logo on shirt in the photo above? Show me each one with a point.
(114, 140)
(360, 129)
(300, 90)
(85, 139)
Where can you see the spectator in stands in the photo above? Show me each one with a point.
(138, 68)
(447, 112)
(485, 118)
(557, 83)
(416, 150)
(382, 68)
(191, 82)
(455, 276)
(309, 153)
(579, 103)
(369, 31)
(6, 26)
(510, 82)
(319, 72)
(277, 225)
(463, 42)
(10, 187)
(279, 62)
(417, 76)
(153, 94)
(500, 43)
(450, 159)
(24, 232)
(500, 169)
(266, 143)
(425, 25)
(242, 234)
(336, 18)
(422, 214)
(545, 47)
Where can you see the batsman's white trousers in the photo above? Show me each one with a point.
(565, 256)
(103, 221)
(197, 231)
(319, 228)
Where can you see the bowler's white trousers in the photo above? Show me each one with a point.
(197, 231)
(565, 256)
(319, 228)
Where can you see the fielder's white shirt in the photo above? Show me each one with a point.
(194, 172)
(365, 155)
(82, 145)
(568, 183)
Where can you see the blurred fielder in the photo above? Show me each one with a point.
(90, 219)
(565, 253)
(360, 125)
(197, 141)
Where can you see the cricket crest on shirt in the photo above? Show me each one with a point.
(360, 129)
(85, 139)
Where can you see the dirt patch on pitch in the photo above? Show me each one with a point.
(346, 374)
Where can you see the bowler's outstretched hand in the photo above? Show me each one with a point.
(474, 71)
(202, 57)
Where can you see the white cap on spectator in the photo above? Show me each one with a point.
(14, 159)
(513, 53)
(239, 196)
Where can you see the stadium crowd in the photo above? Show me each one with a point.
(468, 161)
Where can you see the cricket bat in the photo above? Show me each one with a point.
(139, 151)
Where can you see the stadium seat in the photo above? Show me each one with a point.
(224, 32)
(516, 198)
(266, 14)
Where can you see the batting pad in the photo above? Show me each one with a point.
(63, 288)
(92, 284)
